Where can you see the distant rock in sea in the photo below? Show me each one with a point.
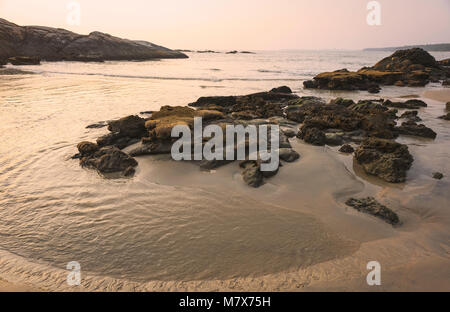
(56, 44)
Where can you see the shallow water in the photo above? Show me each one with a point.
(172, 222)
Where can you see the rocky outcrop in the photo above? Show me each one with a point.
(438, 176)
(412, 67)
(385, 159)
(55, 44)
(370, 206)
(445, 117)
(106, 159)
(412, 128)
(410, 104)
(155, 133)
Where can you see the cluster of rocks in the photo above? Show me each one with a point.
(154, 133)
(412, 67)
(369, 124)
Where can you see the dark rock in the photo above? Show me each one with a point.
(438, 175)
(152, 148)
(24, 60)
(445, 62)
(411, 115)
(87, 148)
(445, 117)
(232, 52)
(412, 128)
(288, 155)
(130, 126)
(55, 44)
(446, 82)
(97, 125)
(343, 102)
(283, 89)
(334, 139)
(374, 89)
(370, 206)
(116, 139)
(447, 106)
(310, 84)
(109, 160)
(251, 174)
(346, 148)
(410, 104)
(312, 136)
(386, 159)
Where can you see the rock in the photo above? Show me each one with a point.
(445, 117)
(251, 174)
(385, 159)
(410, 104)
(445, 62)
(232, 52)
(343, 102)
(283, 89)
(411, 115)
(116, 139)
(370, 206)
(109, 160)
(412, 67)
(290, 133)
(152, 148)
(407, 60)
(97, 125)
(55, 44)
(24, 60)
(334, 139)
(288, 155)
(130, 126)
(447, 106)
(438, 175)
(446, 82)
(346, 148)
(310, 84)
(87, 148)
(374, 89)
(312, 136)
(412, 128)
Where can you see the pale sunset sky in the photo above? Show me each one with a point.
(246, 24)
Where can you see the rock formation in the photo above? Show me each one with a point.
(55, 44)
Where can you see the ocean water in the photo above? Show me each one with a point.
(170, 222)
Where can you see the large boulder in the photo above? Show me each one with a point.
(385, 159)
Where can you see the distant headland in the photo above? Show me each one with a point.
(56, 44)
(444, 47)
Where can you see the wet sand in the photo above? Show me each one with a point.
(442, 95)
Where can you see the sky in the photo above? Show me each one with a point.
(245, 24)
